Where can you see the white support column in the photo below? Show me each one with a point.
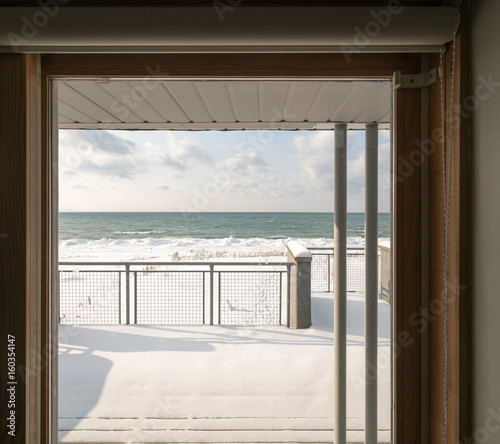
(340, 288)
(371, 281)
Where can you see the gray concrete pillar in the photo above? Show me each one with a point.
(385, 271)
(300, 286)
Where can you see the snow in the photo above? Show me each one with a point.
(157, 383)
(298, 250)
(385, 242)
(131, 383)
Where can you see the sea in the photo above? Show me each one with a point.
(192, 236)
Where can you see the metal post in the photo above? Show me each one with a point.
(119, 296)
(211, 295)
(127, 293)
(329, 277)
(218, 300)
(371, 281)
(340, 295)
(288, 282)
(135, 297)
(281, 296)
(204, 297)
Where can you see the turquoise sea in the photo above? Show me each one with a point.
(95, 226)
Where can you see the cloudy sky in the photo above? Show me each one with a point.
(211, 171)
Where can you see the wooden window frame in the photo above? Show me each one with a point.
(26, 140)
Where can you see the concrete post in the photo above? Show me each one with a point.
(300, 286)
(385, 266)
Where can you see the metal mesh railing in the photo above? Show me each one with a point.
(169, 297)
(322, 276)
(322, 272)
(89, 297)
(193, 293)
(250, 298)
(174, 293)
(355, 271)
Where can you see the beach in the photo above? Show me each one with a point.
(211, 383)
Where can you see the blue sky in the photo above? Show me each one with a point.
(211, 171)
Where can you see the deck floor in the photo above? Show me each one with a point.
(139, 384)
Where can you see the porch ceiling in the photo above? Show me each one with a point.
(217, 104)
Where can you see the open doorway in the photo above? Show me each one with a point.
(243, 164)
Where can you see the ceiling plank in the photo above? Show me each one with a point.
(220, 104)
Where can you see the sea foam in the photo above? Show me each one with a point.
(186, 249)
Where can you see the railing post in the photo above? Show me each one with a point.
(218, 299)
(204, 296)
(300, 286)
(329, 276)
(120, 297)
(135, 297)
(127, 293)
(288, 283)
(212, 295)
(332, 274)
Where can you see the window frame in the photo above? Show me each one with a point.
(27, 137)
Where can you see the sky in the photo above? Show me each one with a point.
(284, 171)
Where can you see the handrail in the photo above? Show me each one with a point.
(332, 248)
(206, 263)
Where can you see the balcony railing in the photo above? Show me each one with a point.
(197, 293)
(174, 293)
(322, 275)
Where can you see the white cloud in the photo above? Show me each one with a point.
(294, 174)
(178, 155)
(96, 141)
(314, 155)
(162, 187)
(245, 164)
(98, 152)
(251, 176)
(112, 168)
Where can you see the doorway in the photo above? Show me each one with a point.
(283, 66)
(298, 104)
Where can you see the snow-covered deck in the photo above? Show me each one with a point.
(132, 383)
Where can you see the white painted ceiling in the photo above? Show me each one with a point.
(217, 104)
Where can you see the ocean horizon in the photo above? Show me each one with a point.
(209, 225)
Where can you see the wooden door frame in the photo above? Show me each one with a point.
(36, 328)
(329, 66)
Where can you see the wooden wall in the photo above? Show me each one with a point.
(19, 242)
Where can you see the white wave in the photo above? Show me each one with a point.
(139, 232)
(168, 249)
